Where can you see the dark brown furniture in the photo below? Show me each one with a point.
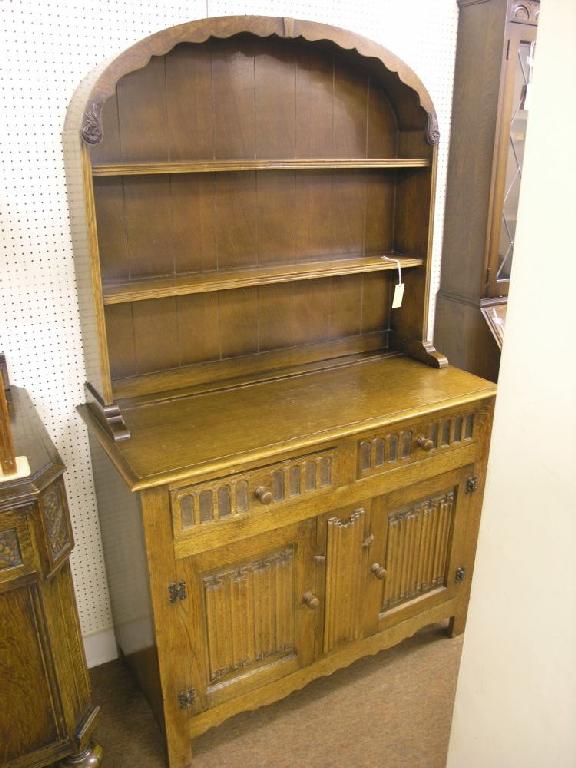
(489, 119)
(289, 476)
(46, 712)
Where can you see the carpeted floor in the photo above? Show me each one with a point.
(392, 710)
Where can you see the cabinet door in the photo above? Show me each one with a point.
(346, 537)
(29, 716)
(513, 121)
(419, 537)
(256, 612)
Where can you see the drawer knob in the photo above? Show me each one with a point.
(263, 494)
(310, 599)
(424, 442)
(378, 570)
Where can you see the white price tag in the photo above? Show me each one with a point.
(398, 295)
(399, 287)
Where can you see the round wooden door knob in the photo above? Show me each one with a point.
(378, 570)
(424, 442)
(263, 495)
(310, 599)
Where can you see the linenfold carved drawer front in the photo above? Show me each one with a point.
(254, 491)
(397, 446)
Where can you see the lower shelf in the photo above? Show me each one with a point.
(207, 282)
(220, 374)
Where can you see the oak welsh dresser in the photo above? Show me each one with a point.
(46, 709)
(289, 475)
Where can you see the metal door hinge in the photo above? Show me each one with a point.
(460, 574)
(186, 698)
(471, 484)
(177, 591)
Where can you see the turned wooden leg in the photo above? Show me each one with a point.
(91, 757)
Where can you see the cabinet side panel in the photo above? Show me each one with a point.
(127, 572)
(463, 336)
(91, 324)
(66, 645)
(412, 235)
(474, 116)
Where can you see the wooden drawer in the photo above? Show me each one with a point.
(406, 442)
(253, 492)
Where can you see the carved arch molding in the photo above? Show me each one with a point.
(162, 42)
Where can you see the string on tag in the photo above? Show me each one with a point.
(399, 287)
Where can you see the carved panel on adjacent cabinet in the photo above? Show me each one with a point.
(250, 614)
(417, 549)
(55, 522)
(525, 12)
(10, 555)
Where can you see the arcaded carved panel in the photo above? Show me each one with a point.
(236, 495)
(390, 449)
(346, 564)
(250, 614)
(55, 522)
(10, 555)
(417, 548)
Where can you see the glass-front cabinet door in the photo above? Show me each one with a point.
(509, 156)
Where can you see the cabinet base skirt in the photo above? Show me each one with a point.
(339, 659)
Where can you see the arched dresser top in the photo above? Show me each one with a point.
(390, 69)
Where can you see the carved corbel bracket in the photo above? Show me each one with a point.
(426, 352)
(109, 415)
(91, 130)
(432, 132)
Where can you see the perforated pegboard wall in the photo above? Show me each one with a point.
(47, 49)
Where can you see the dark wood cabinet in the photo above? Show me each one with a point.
(494, 59)
(289, 475)
(46, 712)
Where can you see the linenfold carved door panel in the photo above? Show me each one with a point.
(256, 609)
(421, 533)
(350, 603)
(389, 555)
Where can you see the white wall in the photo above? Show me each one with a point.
(47, 48)
(516, 697)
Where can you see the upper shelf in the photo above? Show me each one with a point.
(222, 166)
(206, 282)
